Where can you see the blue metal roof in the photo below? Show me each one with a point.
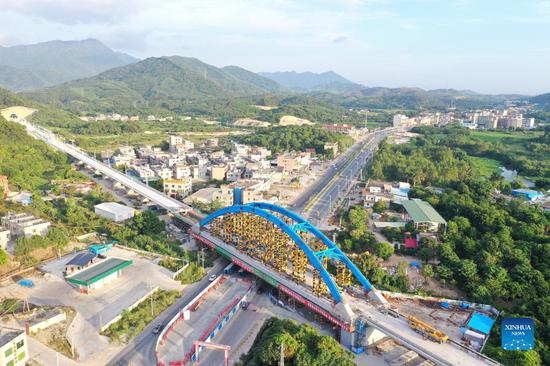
(481, 323)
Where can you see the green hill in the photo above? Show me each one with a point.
(309, 81)
(29, 67)
(413, 98)
(543, 101)
(164, 82)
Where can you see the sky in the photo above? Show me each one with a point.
(488, 46)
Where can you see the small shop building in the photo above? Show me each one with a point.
(98, 275)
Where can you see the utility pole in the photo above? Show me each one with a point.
(282, 357)
(152, 304)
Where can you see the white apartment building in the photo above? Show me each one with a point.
(5, 237)
(400, 120)
(24, 224)
(181, 171)
(163, 172)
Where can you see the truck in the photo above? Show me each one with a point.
(427, 330)
(101, 249)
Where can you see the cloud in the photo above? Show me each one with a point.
(76, 11)
(340, 39)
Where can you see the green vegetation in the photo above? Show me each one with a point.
(191, 274)
(303, 346)
(51, 63)
(296, 138)
(207, 208)
(145, 232)
(494, 249)
(527, 152)
(29, 163)
(135, 320)
(171, 264)
(485, 167)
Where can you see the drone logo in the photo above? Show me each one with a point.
(518, 334)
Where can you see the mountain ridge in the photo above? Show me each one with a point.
(54, 62)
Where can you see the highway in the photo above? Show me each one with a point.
(323, 203)
(141, 351)
(321, 197)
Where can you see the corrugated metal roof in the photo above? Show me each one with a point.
(81, 259)
(422, 211)
(481, 323)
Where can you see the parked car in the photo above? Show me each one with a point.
(212, 278)
(157, 329)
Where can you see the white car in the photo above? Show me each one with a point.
(212, 278)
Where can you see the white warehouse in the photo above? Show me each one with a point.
(114, 211)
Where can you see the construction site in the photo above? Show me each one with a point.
(441, 320)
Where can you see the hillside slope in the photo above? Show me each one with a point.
(29, 67)
(154, 82)
(309, 81)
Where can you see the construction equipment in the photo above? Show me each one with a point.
(427, 330)
(222, 347)
(100, 249)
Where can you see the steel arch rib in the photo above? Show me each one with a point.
(289, 231)
(312, 229)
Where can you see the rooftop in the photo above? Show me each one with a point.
(114, 207)
(481, 322)
(422, 211)
(7, 335)
(98, 271)
(81, 259)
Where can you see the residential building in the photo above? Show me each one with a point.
(114, 211)
(13, 347)
(144, 172)
(375, 189)
(24, 224)
(181, 171)
(204, 195)
(370, 199)
(400, 120)
(163, 172)
(424, 216)
(218, 172)
(287, 162)
(211, 142)
(5, 237)
(177, 188)
(233, 174)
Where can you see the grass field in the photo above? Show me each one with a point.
(485, 166)
(499, 136)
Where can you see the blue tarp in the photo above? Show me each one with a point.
(481, 323)
(416, 264)
(26, 283)
(445, 305)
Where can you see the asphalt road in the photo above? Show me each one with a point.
(301, 201)
(141, 351)
(338, 179)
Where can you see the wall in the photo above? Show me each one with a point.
(47, 322)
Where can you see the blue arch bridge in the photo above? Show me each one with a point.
(287, 252)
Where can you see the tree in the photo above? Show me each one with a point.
(380, 206)
(3, 257)
(148, 222)
(428, 271)
(383, 250)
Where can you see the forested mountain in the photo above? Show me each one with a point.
(542, 100)
(309, 81)
(163, 82)
(413, 98)
(29, 67)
